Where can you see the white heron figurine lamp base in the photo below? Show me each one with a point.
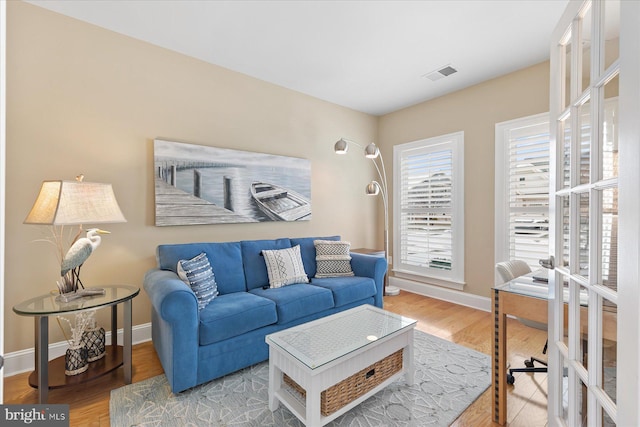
(75, 257)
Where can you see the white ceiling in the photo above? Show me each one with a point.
(370, 56)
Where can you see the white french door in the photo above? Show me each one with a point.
(594, 215)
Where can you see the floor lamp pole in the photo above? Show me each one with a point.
(382, 174)
(388, 289)
(372, 152)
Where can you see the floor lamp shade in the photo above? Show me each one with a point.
(75, 203)
(341, 147)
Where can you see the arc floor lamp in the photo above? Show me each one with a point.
(375, 188)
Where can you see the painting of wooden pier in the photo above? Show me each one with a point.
(197, 184)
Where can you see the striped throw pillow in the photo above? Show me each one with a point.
(332, 258)
(197, 273)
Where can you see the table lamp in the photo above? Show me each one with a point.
(71, 203)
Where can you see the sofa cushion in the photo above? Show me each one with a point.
(225, 259)
(284, 267)
(196, 272)
(332, 258)
(347, 290)
(296, 301)
(308, 251)
(255, 268)
(234, 314)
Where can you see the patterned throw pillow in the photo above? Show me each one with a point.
(197, 273)
(284, 266)
(332, 258)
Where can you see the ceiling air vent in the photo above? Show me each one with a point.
(445, 71)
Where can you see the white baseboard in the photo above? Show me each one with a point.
(21, 361)
(445, 294)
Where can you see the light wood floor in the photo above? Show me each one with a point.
(89, 403)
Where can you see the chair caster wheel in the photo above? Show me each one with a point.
(528, 363)
(510, 379)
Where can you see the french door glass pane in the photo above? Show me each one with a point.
(583, 333)
(586, 50)
(609, 128)
(583, 419)
(583, 252)
(566, 152)
(566, 319)
(564, 256)
(565, 389)
(567, 75)
(611, 31)
(609, 348)
(585, 141)
(609, 238)
(607, 421)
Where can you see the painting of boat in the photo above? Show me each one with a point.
(280, 204)
(198, 184)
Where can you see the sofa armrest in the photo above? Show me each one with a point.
(371, 266)
(174, 327)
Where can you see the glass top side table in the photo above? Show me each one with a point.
(50, 374)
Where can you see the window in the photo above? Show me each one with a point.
(522, 190)
(429, 210)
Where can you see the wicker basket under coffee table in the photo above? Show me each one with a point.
(321, 369)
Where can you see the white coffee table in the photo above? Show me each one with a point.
(322, 353)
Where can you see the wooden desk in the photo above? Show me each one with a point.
(527, 299)
(506, 300)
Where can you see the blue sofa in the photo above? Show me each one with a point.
(229, 333)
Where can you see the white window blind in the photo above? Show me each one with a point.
(429, 208)
(522, 190)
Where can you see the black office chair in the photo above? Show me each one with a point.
(509, 270)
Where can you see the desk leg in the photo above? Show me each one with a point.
(127, 332)
(42, 356)
(499, 362)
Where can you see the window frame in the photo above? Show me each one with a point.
(453, 278)
(502, 249)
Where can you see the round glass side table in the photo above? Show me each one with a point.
(50, 374)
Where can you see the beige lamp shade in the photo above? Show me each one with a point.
(73, 203)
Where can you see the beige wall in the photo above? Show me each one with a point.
(475, 111)
(81, 99)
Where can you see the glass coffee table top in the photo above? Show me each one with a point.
(321, 341)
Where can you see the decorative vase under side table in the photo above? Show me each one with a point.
(94, 341)
(75, 360)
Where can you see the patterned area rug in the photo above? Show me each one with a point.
(448, 378)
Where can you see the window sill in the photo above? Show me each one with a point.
(445, 283)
